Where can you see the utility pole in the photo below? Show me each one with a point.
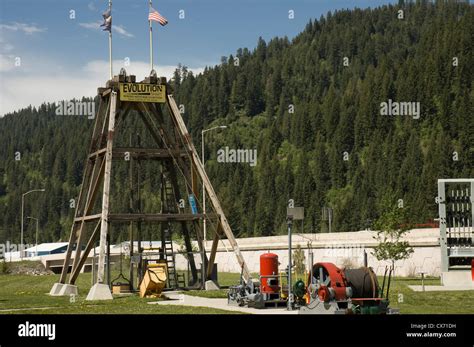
(289, 223)
(36, 244)
(292, 213)
(330, 218)
(204, 225)
(22, 217)
(327, 216)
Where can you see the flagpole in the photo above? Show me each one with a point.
(110, 41)
(151, 38)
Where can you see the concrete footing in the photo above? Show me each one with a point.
(68, 289)
(211, 285)
(99, 291)
(56, 289)
(62, 289)
(457, 278)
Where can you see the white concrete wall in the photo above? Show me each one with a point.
(339, 248)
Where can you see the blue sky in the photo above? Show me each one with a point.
(55, 49)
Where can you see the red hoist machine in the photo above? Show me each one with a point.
(329, 290)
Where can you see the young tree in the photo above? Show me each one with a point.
(392, 226)
(299, 259)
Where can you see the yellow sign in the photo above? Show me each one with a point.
(142, 92)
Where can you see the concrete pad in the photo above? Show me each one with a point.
(56, 289)
(211, 285)
(457, 278)
(99, 291)
(196, 301)
(68, 289)
(440, 288)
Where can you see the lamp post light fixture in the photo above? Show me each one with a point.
(22, 218)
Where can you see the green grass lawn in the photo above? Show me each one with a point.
(30, 293)
(444, 302)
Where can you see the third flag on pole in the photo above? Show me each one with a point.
(107, 21)
(154, 15)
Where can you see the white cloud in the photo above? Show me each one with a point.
(116, 28)
(121, 30)
(91, 6)
(7, 62)
(28, 29)
(7, 47)
(41, 85)
(91, 25)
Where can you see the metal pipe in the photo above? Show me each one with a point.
(22, 218)
(204, 167)
(151, 39)
(36, 244)
(383, 284)
(290, 299)
(93, 267)
(389, 280)
(108, 259)
(110, 42)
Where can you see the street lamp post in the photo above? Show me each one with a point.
(203, 166)
(36, 243)
(204, 225)
(22, 218)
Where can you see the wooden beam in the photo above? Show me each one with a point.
(212, 256)
(195, 186)
(85, 182)
(147, 153)
(97, 153)
(161, 136)
(106, 191)
(207, 183)
(75, 271)
(90, 197)
(87, 218)
(67, 259)
(157, 217)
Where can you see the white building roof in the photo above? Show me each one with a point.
(47, 247)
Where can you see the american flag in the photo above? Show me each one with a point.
(154, 15)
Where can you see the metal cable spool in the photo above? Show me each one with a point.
(363, 282)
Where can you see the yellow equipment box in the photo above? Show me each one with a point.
(154, 280)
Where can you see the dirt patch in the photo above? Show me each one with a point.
(33, 268)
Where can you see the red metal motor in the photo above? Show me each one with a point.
(269, 274)
(333, 283)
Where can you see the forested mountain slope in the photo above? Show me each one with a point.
(313, 116)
